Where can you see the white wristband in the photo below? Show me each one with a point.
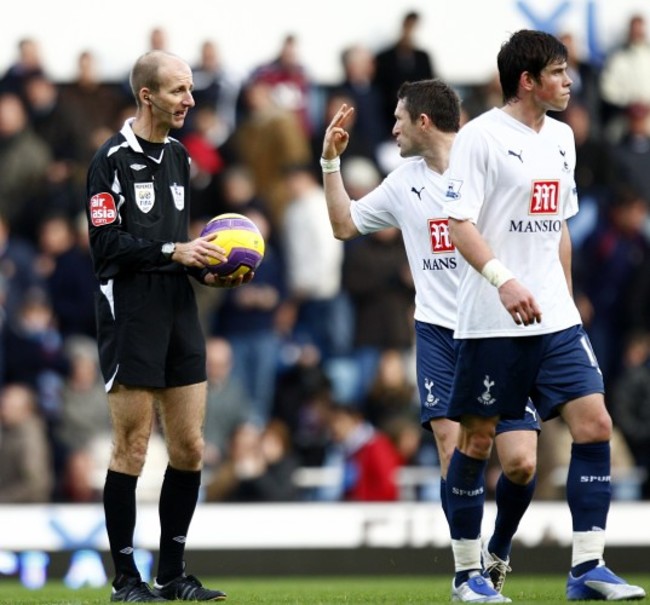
(333, 165)
(496, 272)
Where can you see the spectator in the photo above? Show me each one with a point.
(25, 465)
(228, 405)
(17, 268)
(37, 357)
(368, 459)
(267, 139)
(377, 277)
(302, 396)
(596, 173)
(637, 302)
(392, 393)
(84, 420)
(27, 63)
(359, 83)
(247, 317)
(482, 97)
(631, 403)
(289, 82)
(604, 269)
(66, 268)
(259, 467)
(402, 61)
(314, 262)
(632, 152)
(217, 88)
(94, 102)
(625, 78)
(24, 161)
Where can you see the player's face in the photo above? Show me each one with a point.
(553, 91)
(405, 132)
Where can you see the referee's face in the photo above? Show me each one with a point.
(174, 97)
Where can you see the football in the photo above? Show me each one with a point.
(241, 239)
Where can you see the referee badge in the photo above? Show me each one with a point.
(145, 196)
(178, 193)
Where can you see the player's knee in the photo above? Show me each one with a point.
(595, 429)
(521, 469)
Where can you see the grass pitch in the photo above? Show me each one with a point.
(316, 591)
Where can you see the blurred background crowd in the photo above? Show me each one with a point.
(312, 391)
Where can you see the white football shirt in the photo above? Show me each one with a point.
(517, 186)
(411, 198)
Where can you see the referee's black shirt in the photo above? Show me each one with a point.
(135, 203)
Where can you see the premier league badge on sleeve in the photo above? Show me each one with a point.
(145, 196)
(453, 189)
(178, 193)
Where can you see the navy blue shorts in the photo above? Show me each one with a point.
(496, 376)
(148, 331)
(435, 364)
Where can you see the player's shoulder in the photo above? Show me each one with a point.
(481, 125)
(555, 125)
(406, 170)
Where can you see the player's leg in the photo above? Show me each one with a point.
(465, 504)
(517, 452)
(571, 384)
(483, 391)
(435, 364)
(589, 501)
(445, 433)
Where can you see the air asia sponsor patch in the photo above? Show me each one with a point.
(102, 209)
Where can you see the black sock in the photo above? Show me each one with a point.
(119, 510)
(178, 498)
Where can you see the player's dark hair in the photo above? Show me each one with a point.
(434, 98)
(527, 50)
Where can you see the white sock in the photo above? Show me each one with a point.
(467, 554)
(587, 546)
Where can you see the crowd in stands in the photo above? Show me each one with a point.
(310, 366)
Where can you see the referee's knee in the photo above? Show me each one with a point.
(187, 455)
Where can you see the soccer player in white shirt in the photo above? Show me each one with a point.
(411, 198)
(510, 192)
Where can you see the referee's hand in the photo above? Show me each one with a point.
(199, 252)
(216, 281)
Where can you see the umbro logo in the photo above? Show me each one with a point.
(417, 192)
(517, 155)
(137, 167)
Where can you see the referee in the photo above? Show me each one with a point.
(151, 346)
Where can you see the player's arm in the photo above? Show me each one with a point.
(517, 299)
(565, 255)
(338, 201)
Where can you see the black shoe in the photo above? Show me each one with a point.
(134, 590)
(187, 588)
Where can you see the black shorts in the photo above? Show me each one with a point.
(148, 331)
